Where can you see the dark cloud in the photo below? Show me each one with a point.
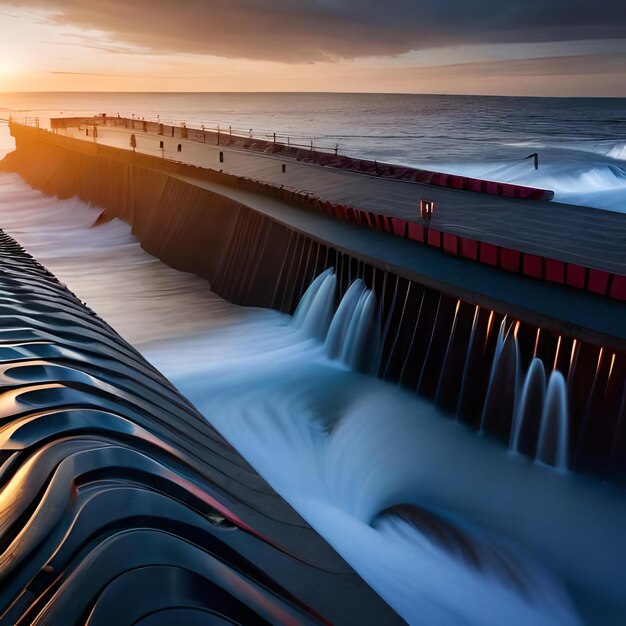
(315, 30)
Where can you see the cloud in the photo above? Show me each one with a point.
(85, 74)
(297, 31)
(571, 65)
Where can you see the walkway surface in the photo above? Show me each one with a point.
(589, 237)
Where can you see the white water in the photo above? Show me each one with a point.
(343, 447)
(585, 173)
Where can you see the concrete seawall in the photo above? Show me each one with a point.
(439, 316)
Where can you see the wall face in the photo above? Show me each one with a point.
(430, 342)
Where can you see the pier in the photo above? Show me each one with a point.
(493, 262)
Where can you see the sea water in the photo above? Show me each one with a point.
(581, 142)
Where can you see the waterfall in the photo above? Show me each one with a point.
(502, 333)
(528, 417)
(501, 400)
(552, 446)
(353, 336)
(315, 310)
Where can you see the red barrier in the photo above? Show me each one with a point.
(399, 226)
(340, 212)
(533, 266)
(576, 275)
(450, 244)
(598, 281)
(416, 232)
(434, 238)
(488, 253)
(469, 248)
(618, 288)
(509, 191)
(509, 259)
(456, 182)
(472, 184)
(555, 271)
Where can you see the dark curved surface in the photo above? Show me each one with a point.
(119, 504)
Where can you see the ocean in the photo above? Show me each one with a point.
(345, 449)
(581, 141)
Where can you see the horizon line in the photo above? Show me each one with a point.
(319, 93)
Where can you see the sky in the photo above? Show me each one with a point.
(500, 47)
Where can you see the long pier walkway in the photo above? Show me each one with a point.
(585, 236)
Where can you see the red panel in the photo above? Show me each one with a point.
(399, 226)
(423, 177)
(509, 191)
(340, 212)
(469, 248)
(450, 244)
(555, 271)
(576, 275)
(509, 259)
(386, 223)
(533, 265)
(434, 238)
(471, 184)
(618, 287)
(598, 281)
(416, 232)
(488, 253)
(440, 179)
(456, 181)
(493, 188)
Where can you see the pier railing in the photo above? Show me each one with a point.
(213, 132)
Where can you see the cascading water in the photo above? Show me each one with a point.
(353, 337)
(528, 417)
(315, 310)
(502, 393)
(552, 446)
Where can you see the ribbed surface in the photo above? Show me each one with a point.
(119, 504)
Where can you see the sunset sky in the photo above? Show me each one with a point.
(531, 47)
